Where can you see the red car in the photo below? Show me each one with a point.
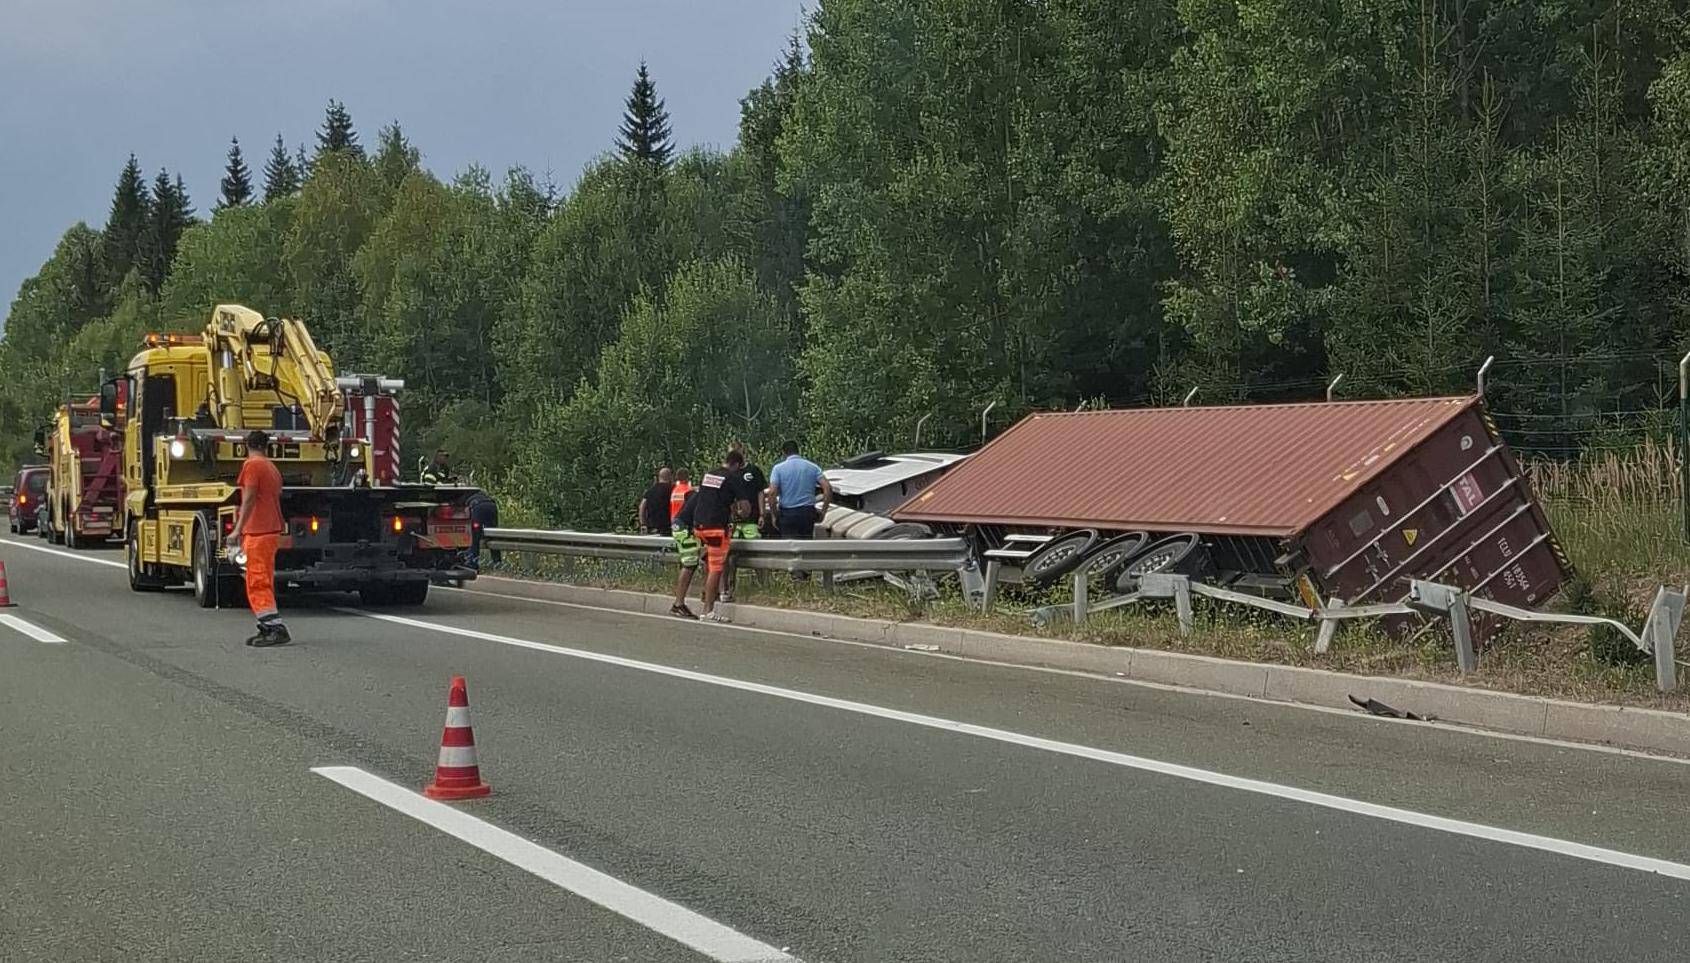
(29, 490)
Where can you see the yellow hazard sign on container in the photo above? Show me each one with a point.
(1410, 534)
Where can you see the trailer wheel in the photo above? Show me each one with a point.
(1106, 561)
(1058, 557)
(1177, 554)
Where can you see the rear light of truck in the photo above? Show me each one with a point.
(398, 524)
(228, 525)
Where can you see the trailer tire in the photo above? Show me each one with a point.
(1058, 557)
(1106, 560)
(1182, 554)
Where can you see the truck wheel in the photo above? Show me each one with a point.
(204, 568)
(1107, 560)
(1176, 555)
(139, 580)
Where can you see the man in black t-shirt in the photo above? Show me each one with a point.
(751, 512)
(712, 517)
(654, 504)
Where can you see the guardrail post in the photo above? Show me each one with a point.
(1082, 588)
(1182, 602)
(1661, 632)
(1328, 626)
(990, 596)
(1461, 626)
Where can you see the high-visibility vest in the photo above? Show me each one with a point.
(677, 498)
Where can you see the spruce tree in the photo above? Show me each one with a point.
(172, 213)
(396, 159)
(237, 179)
(644, 137)
(337, 132)
(281, 174)
(126, 227)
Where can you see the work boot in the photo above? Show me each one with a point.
(271, 633)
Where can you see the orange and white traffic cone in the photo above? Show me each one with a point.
(5, 593)
(457, 776)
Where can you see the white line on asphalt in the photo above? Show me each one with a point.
(30, 629)
(57, 551)
(690, 929)
(1163, 687)
(1407, 817)
(1184, 690)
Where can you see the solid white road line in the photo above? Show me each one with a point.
(1359, 807)
(698, 933)
(30, 629)
(1182, 690)
(59, 551)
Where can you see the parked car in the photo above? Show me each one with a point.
(29, 492)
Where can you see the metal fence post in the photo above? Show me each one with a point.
(1082, 588)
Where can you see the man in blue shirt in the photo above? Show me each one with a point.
(792, 486)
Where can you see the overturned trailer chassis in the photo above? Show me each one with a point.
(1346, 500)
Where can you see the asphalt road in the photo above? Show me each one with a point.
(826, 800)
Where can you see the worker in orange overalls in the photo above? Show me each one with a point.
(678, 494)
(258, 525)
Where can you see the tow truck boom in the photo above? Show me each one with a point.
(251, 353)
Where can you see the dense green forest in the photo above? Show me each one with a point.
(937, 205)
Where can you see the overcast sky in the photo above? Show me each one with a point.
(496, 82)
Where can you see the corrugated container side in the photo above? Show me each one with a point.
(1455, 509)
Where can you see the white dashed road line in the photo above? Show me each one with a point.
(30, 629)
(692, 930)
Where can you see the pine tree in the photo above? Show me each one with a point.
(172, 213)
(281, 174)
(337, 132)
(126, 227)
(644, 136)
(396, 159)
(237, 179)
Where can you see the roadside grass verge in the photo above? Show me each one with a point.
(1616, 513)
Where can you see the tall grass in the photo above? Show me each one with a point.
(1617, 512)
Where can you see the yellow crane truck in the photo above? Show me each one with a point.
(185, 405)
(86, 484)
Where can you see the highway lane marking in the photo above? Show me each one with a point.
(30, 629)
(1184, 690)
(58, 551)
(1161, 687)
(692, 930)
(1407, 817)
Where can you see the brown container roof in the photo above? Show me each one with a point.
(1242, 470)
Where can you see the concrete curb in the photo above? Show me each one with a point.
(1650, 730)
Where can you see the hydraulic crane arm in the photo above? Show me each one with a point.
(252, 353)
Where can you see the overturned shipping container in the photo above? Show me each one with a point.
(1347, 500)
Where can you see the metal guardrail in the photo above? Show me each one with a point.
(1657, 637)
(768, 554)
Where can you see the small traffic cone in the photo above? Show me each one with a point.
(457, 776)
(5, 594)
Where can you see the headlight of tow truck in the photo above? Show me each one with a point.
(178, 448)
(354, 452)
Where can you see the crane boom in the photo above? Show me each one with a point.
(252, 353)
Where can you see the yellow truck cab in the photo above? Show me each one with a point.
(185, 405)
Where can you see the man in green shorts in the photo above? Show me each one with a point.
(688, 546)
